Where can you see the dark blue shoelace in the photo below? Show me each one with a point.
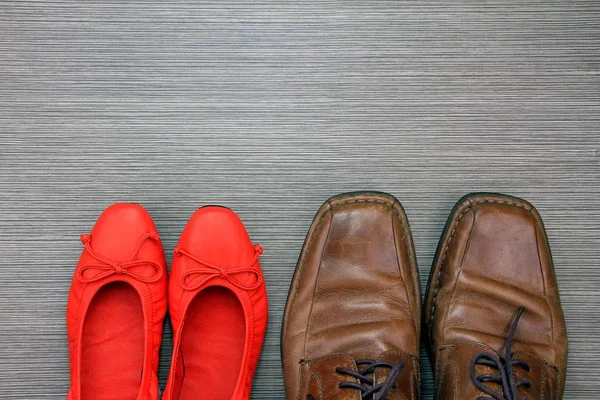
(366, 385)
(505, 366)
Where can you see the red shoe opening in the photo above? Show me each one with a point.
(212, 345)
(112, 348)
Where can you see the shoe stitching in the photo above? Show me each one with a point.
(309, 362)
(417, 374)
(544, 380)
(455, 376)
(319, 380)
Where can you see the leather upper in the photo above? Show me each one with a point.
(120, 235)
(355, 295)
(492, 259)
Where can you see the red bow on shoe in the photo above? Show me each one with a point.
(210, 271)
(107, 267)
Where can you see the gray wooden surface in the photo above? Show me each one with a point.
(270, 107)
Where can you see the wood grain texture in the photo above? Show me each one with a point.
(270, 107)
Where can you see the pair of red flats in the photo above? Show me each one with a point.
(118, 301)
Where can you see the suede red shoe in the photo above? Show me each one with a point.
(116, 308)
(218, 309)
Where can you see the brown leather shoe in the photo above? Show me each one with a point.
(351, 324)
(492, 312)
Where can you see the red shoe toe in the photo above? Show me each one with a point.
(116, 307)
(218, 309)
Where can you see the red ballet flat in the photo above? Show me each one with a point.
(218, 309)
(116, 308)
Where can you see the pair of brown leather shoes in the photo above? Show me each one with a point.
(493, 322)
